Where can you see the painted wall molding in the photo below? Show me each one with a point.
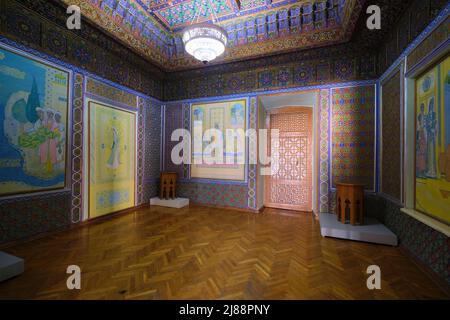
(277, 91)
(443, 15)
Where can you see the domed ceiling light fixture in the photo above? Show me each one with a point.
(205, 41)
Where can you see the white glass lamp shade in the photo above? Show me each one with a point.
(205, 41)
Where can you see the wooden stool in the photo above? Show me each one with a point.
(168, 185)
(350, 203)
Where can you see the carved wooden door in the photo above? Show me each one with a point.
(290, 187)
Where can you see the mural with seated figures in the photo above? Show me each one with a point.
(222, 116)
(33, 124)
(433, 142)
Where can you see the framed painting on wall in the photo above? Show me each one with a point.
(432, 160)
(34, 100)
(220, 116)
(112, 154)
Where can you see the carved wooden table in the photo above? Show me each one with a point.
(168, 185)
(350, 203)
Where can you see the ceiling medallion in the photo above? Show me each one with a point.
(205, 41)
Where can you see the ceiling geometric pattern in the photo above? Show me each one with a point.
(184, 13)
(255, 28)
(176, 14)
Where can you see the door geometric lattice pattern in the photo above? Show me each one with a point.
(290, 187)
(293, 153)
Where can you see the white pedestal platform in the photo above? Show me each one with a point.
(171, 203)
(10, 266)
(372, 230)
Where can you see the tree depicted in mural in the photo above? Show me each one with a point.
(19, 113)
(32, 103)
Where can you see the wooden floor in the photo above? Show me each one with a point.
(205, 253)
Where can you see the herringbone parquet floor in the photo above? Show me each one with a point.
(206, 253)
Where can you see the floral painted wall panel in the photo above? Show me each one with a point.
(430, 247)
(112, 152)
(433, 40)
(433, 142)
(101, 89)
(221, 195)
(391, 133)
(152, 148)
(33, 214)
(411, 23)
(353, 135)
(33, 124)
(173, 121)
(300, 69)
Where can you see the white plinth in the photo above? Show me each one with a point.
(171, 203)
(10, 266)
(372, 230)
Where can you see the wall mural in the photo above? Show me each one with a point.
(112, 150)
(353, 135)
(433, 142)
(221, 116)
(33, 124)
(391, 160)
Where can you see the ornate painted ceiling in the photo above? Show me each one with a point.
(255, 28)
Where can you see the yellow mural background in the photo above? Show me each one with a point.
(112, 150)
(433, 195)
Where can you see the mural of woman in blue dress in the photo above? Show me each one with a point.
(114, 158)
